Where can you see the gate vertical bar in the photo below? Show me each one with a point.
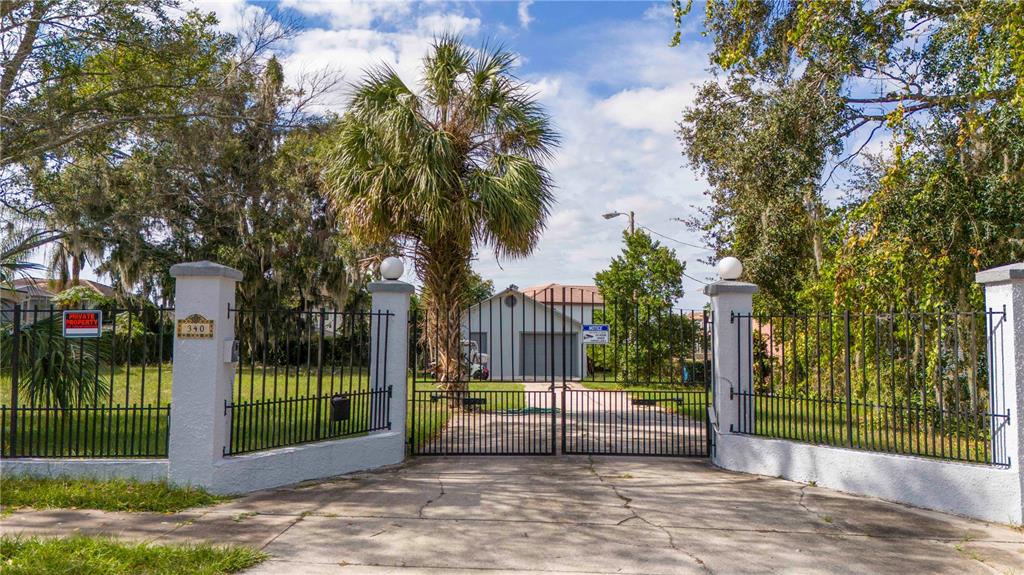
(554, 424)
(849, 394)
(709, 389)
(414, 347)
(15, 367)
(319, 376)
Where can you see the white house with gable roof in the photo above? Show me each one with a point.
(530, 333)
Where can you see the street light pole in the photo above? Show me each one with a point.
(632, 222)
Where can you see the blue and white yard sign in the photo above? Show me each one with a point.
(595, 333)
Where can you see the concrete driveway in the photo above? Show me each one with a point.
(569, 515)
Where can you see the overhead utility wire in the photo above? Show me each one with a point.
(674, 240)
(679, 242)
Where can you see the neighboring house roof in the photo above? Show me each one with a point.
(50, 287)
(12, 294)
(554, 293)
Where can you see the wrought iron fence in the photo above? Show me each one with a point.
(914, 383)
(307, 375)
(105, 396)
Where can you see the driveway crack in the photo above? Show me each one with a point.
(289, 526)
(627, 504)
(826, 519)
(433, 500)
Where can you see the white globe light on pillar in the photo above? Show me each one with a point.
(730, 268)
(392, 268)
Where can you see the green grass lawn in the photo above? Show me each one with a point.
(106, 495)
(873, 427)
(132, 417)
(102, 556)
(112, 430)
(109, 431)
(152, 384)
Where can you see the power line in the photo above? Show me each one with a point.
(674, 240)
(686, 275)
(679, 242)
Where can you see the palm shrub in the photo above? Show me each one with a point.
(455, 165)
(55, 371)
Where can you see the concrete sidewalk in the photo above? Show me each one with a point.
(567, 515)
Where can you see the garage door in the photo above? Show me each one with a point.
(535, 355)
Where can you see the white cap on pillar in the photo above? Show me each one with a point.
(730, 268)
(392, 268)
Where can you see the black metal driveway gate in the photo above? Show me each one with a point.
(531, 372)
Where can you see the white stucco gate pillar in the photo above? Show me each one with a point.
(202, 374)
(731, 353)
(1004, 293)
(393, 297)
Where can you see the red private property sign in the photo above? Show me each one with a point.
(83, 323)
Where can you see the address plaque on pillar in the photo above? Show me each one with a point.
(195, 326)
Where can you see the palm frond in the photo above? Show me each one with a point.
(17, 246)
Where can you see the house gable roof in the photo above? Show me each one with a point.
(513, 291)
(48, 287)
(554, 293)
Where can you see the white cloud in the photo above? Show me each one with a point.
(436, 24)
(524, 13)
(654, 109)
(352, 49)
(546, 87)
(661, 12)
(231, 14)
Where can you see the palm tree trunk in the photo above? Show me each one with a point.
(444, 271)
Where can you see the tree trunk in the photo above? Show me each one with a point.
(969, 345)
(76, 267)
(13, 67)
(814, 219)
(444, 270)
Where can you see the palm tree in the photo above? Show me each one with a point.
(444, 170)
(16, 246)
